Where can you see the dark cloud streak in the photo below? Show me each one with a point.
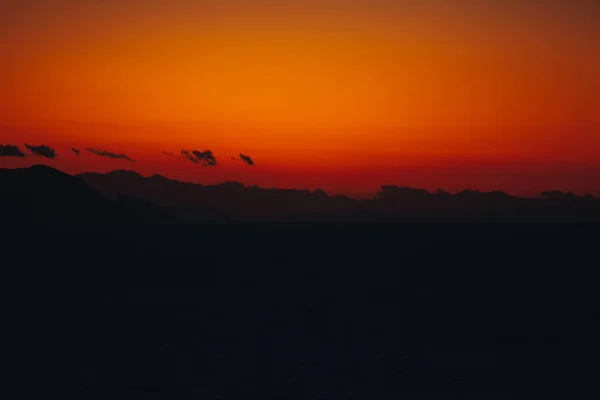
(10, 151)
(206, 157)
(74, 150)
(42, 151)
(247, 159)
(104, 153)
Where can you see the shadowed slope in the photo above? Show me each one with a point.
(41, 194)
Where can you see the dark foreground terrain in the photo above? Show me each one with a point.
(307, 311)
(120, 286)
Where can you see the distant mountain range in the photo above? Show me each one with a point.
(41, 194)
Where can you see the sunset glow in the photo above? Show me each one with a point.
(343, 95)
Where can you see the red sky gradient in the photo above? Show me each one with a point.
(342, 95)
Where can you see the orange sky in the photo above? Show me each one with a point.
(344, 95)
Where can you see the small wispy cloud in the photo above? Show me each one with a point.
(206, 157)
(104, 153)
(42, 151)
(74, 150)
(10, 151)
(247, 159)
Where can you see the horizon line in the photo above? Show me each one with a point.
(373, 196)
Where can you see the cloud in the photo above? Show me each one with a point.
(233, 158)
(104, 153)
(246, 159)
(168, 154)
(10, 151)
(74, 150)
(42, 151)
(206, 157)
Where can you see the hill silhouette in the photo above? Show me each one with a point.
(318, 310)
(392, 203)
(41, 194)
(233, 198)
(44, 195)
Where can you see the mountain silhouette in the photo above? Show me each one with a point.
(391, 203)
(44, 195)
(232, 198)
(41, 194)
(350, 310)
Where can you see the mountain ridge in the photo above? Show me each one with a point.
(390, 202)
(320, 191)
(42, 193)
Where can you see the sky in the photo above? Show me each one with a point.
(342, 95)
